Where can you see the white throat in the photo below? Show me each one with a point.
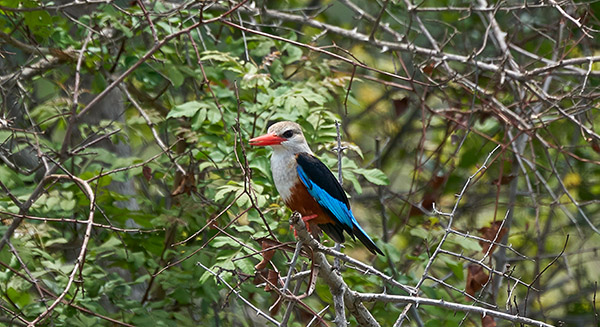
(283, 167)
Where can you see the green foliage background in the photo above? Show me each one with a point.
(208, 91)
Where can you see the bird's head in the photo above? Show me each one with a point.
(285, 135)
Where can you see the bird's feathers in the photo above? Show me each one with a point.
(334, 231)
(325, 189)
(308, 186)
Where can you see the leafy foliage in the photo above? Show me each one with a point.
(164, 150)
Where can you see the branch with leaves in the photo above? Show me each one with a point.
(150, 104)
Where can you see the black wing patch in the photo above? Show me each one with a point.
(335, 232)
(319, 174)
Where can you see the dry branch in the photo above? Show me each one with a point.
(332, 278)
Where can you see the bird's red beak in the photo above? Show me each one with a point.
(267, 139)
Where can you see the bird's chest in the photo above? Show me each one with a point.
(285, 175)
(292, 190)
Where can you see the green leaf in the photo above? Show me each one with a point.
(468, 244)
(199, 119)
(419, 232)
(243, 229)
(174, 75)
(221, 241)
(39, 22)
(312, 96)
(60, 240)
(18, 297)
(109, 245)
(262, 164)
(256, 80)
(217, 56)
(294, 53)
(188, 109)
(52, 201)
(245, 265)
(374, 176)
(354, 147)
(455, 266)
(347, 175)
(263, 48)
(68, 205)
(296, 103)
(205, 276)
(182, 295)
(226, 189)
(213, 114)
(227, 61)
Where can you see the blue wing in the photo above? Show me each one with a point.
(340, 211)
(327, 191)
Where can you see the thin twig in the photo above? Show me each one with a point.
(338, 297)
(450, 220)
(79, 262)
(415, 300)
(237, 293)
(377, 20)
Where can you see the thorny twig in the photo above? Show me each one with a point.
(79, 262)
(239, 296)
(338, 297)
(450, 219)
(512, 72)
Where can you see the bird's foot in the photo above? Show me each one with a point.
(305, 219)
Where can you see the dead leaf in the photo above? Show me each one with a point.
(476, 279)
(260, 276)
(429, 68)
(415, 210)
(272, 279)
(268, 60)
(454, 139)
(488, 321)
(491, 234)
(186, 185)
(434, 189)
(505, 179)
(62, 55)
(400, 106)
(274, 309)
(312, 282)
(267, 255)
(596, 146)
(483, 116)
(147, 172)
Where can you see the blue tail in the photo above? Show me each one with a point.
(365, 239)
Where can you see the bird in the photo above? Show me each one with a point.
(307, 186)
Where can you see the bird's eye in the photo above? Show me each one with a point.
(288, 134)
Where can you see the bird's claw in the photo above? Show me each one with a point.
(305, 219)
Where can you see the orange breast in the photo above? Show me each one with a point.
(305, 204)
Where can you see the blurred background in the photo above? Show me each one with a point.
(472, 157)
